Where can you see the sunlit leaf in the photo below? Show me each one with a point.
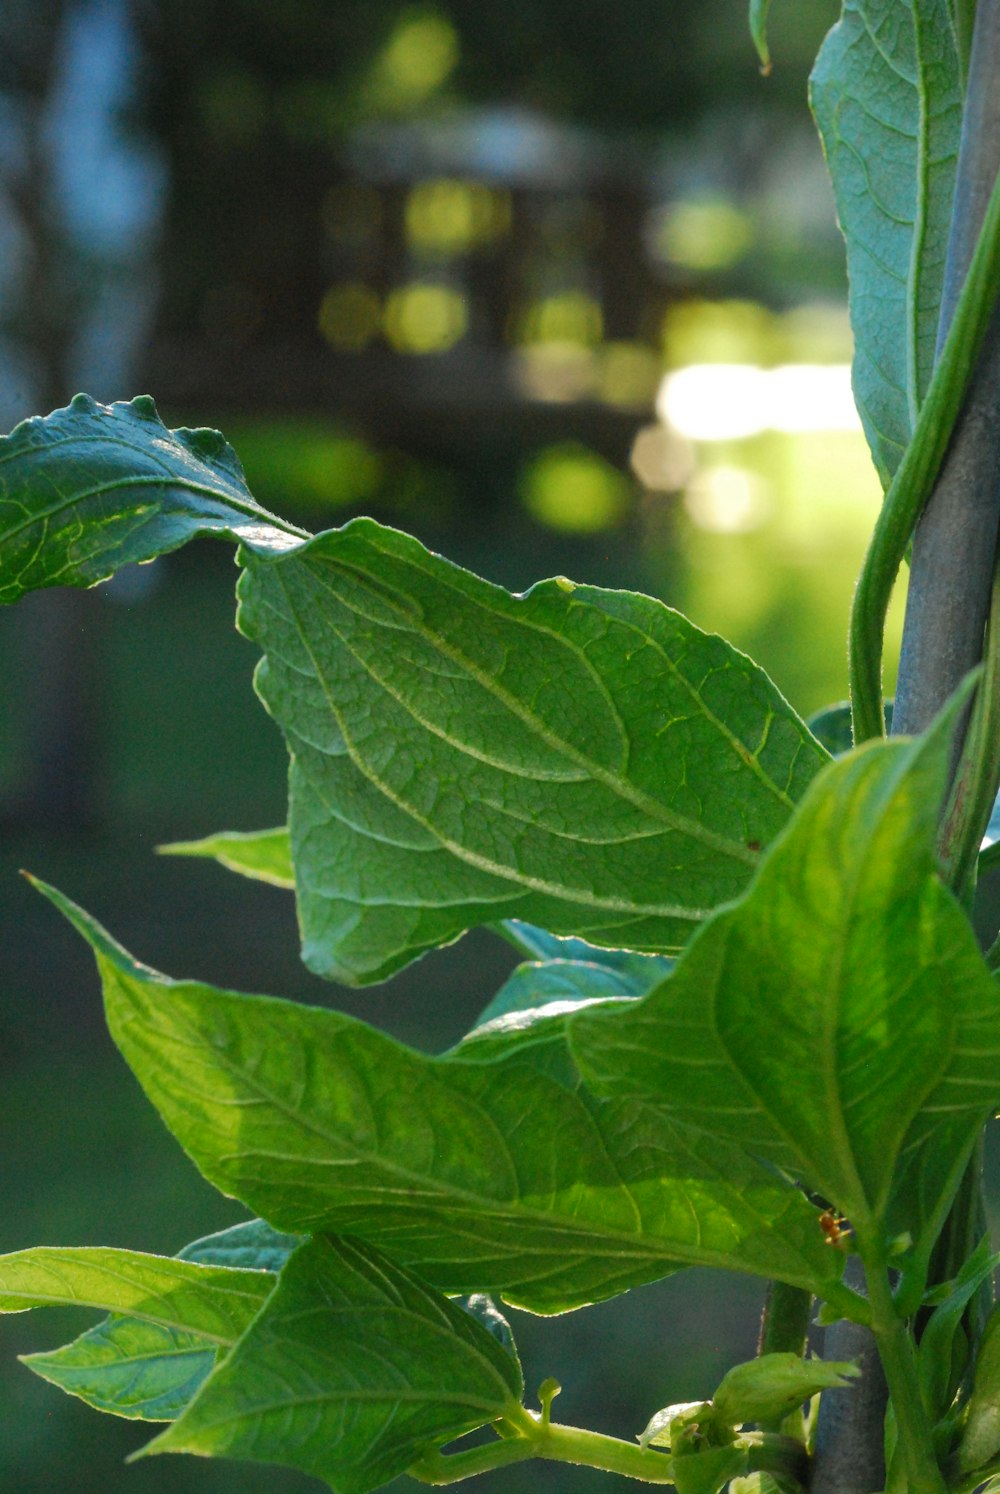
(791, 1023)
(352, 1370)
(150, 1371)
(502, 1176)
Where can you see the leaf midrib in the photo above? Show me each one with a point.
(446, 1192)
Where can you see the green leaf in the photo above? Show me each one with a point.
(832, 727)
(211, 1300)
(682, 1422)
(503, 1176)
(710, 1471)
(640, 970)
(586, 760)
(981, 1434)
(936, 1358)
(93, 487)
(887, 96)
(351, 1371)
(148, 1370)
(140, 1371)
(792, 1025)
(758, 30)
(264, 855)
(564, 983)
(772, 1385)
(252, 1245)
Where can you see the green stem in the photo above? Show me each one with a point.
(898, 1354)
(916, 473)
(975, 787)
(766, 1453)
(556, 1443)
(784, 1326)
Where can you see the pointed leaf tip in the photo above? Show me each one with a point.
(758, 30)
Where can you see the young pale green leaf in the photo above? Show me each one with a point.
(149, 1370)
(791, 1023)
(213, 1301)
(887, 96)
(502, 1176)
(137, 1370)
(772, 1385)
(584, 759)
(352, 1370)
(92, 487)
(263, 855)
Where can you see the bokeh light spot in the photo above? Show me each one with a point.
(572, 489)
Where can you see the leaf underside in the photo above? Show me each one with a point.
(886, 91)
(585, 760)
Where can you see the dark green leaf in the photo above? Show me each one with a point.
(93, 487)
(352, 1370)
(792, 1024)
(887, 95)
(501, 1176)
(264, 855)
(832, 727)
(584, 759)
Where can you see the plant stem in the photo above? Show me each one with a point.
(897, 1352)
(955, 541)
(848, 1456)
(784, 1326)
(915, 476)
(765, 1453)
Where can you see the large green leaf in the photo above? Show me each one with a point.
(148, 1370)
(503, 1175)
(352, 1370)
(89, 488)
(583, 759)
(841, 1014)
(586, 760)
(887, 95)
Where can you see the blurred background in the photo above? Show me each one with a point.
(555, 285)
